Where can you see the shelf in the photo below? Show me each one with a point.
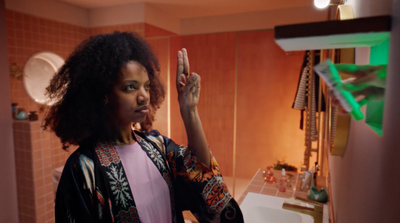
(362, 32)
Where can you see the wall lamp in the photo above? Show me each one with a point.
(325, 3)
(343, 11)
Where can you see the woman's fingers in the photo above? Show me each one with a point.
(185, 61)
(180, 77)
(362, 83)
(358, 70)
(368, 94)
(198, 82)
(181, 81)
(182, 70)
(184, 81)
(192, 80)
(371, 93)
(179, 66)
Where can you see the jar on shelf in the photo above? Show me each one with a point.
(33, 116)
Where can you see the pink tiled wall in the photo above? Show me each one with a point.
(27, 35)
(37, 154)
(24, 170)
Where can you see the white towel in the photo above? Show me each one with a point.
(300, 100)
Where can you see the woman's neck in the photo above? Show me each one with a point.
(122, 135)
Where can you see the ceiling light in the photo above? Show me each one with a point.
(321, 3)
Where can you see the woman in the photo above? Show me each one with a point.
(109, 84)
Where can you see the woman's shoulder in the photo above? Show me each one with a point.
(156, 137)
(80, 157)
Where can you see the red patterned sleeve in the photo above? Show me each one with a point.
(201, 190)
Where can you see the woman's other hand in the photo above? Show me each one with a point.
(367, 83)
(187, 84)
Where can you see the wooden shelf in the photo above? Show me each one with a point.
(362, 32)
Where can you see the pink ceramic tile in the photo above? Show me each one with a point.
(39, 183)
(37, 155)
(255, 189)
(9, 14)
(301, 194)
(258, 183)
(50, 216)
(41, 215)
(46, 143)
(35, 136)
(286, 194)
(269, 191)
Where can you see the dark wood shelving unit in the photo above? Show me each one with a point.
(361, 32)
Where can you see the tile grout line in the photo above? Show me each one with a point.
(262, 188)
(251, 181)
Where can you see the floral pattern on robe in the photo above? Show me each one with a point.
(94, 187)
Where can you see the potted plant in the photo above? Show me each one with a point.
(282, 164)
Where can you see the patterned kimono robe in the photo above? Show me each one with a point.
(94, 188)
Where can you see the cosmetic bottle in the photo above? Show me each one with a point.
(282, 184)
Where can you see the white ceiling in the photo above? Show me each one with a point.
(198, 8)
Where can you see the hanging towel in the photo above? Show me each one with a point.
(301, 100)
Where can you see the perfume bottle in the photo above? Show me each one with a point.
(269, 176)
(282, 183)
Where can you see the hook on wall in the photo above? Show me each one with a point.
(15, 71)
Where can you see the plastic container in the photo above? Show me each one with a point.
(282, 183)
(327, 71)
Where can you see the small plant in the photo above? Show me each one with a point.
(282, 164)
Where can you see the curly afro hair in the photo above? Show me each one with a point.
(79, 115)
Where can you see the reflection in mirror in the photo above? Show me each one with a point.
(38, 71)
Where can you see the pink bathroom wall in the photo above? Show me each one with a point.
(27, 35)
(8, 192)
(37, 152)
(212, 56)
(389, 193)
(267, 127)
(160, 47)
(366, 179)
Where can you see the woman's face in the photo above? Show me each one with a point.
(130, 96)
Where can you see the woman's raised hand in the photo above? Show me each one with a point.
(187, 84)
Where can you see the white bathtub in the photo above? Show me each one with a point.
(260, 208)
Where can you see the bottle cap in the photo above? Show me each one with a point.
(283, 172)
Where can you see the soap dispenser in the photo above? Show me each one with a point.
(282, 184)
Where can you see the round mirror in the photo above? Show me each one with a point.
(38, 71)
